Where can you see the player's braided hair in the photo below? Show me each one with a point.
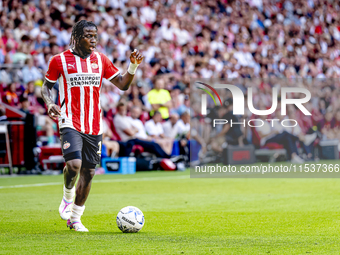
(78, 30)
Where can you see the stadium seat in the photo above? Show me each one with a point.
(2, 90)
(46, 153)
(110, 114)
(116, 137)
(137, 148)
(256, 141)
(271, 150)
(109, 122)
(144, 117)
(5, 149)
(167, 165)
(43, 133)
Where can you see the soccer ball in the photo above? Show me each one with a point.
(130, 219)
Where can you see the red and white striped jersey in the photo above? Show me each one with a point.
(80, 83)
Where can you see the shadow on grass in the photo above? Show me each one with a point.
(118, 233)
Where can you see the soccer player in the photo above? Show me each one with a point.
(80, 71)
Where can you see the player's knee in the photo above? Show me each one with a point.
(92, 173)
(73, 166)
(89, 173)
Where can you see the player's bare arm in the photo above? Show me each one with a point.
(167, 104)
(53, 109)
(123, 81)
(130, 132)
(155, 107)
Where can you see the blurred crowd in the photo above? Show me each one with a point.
(268, 40)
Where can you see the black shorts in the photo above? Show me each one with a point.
(76, 145)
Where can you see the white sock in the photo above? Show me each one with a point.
(69, 194)
(77, 212)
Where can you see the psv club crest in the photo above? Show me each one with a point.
(94, 65)
(66, 145)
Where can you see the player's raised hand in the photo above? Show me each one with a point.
(53, 111)
(136, 57)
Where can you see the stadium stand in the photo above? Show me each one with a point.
(262, 43)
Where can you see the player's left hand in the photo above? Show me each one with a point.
(136, 57)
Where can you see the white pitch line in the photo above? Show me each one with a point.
(31, 185)
(98, 181)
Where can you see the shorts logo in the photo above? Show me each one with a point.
(66, 145)
(94, 65)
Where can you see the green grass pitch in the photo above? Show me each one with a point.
(183, 215)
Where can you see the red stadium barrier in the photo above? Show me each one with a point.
(47, 151)
(16, 136)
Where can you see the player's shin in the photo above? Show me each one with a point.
(66, 205)
(77, 212)
(84, 185)
(71, 171)
(69, 194)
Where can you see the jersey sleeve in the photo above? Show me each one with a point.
(109, 69)
(53, 71)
